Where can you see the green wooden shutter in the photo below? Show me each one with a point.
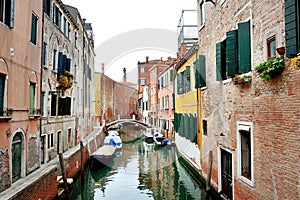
(171, 75)
(196, 129)
(292, 28)
(202, 71)
(244, 47)
(32, 98)
(2, 87)
(221, 60)
(12, 14)
(33, 29)
(60, 65)
(231, 53)
(188, 79)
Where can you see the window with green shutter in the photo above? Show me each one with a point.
(187, 77)
(2, 88)
(34, 27)
(200, 72)
(221, 60)
(7, 12)
(231, 53)
(292, 27)
(32, 99)
(244, 47)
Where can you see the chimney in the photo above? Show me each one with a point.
(147, 59)
(124, 75)
(102, 68)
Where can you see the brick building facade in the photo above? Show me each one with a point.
(252, 128)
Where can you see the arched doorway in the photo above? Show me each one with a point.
(16, 157)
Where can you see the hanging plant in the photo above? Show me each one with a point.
(270, 68)
(295, 62)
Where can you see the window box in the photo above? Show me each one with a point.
(270, 68)
(241, 79)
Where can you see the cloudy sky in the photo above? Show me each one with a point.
(115, 20)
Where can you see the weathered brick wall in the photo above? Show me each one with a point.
(45, 188)
(4, 170)
(73, 163)
(33, 153)
(125, 99)
(272, 106)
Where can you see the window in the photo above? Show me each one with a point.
(200, 72)
(180, 83)
(32, 99)
(7, 8)
(65, 28)
(187, 79)
(50, 140)
(171, 75)
(34, 29)
(54, 59)
(44, 54)
(271, 47)
(167, 102)
(201, 14)
(47, 7)
(142, 69)
(2, 94)
(43, 106)
(142, 81)
(204, 127)
(173, 101)
(233, 55)
(292, 28)
(245, 152)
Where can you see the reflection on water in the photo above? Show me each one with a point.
(140, 172)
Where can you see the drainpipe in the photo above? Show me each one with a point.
(41, 72)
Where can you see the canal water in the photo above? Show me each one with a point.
(139, 171)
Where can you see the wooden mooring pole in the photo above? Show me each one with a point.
(63, 173)
(82, 156)
(210, 161)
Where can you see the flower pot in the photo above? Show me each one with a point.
(276, 72)
(280, 50)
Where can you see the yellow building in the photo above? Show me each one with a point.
(187, 118)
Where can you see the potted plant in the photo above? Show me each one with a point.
(295, 62)
(270, 68)
(65, 80)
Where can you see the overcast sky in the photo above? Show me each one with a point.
(112, 18)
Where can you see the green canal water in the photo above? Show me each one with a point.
(139, 171)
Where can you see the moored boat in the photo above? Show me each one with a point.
(104, 155)
(113, 139)
(160, 140)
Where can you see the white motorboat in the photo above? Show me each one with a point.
(160, 140)
(113, 139)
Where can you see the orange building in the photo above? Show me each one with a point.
(20, 69)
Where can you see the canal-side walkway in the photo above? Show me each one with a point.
(42, 183)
